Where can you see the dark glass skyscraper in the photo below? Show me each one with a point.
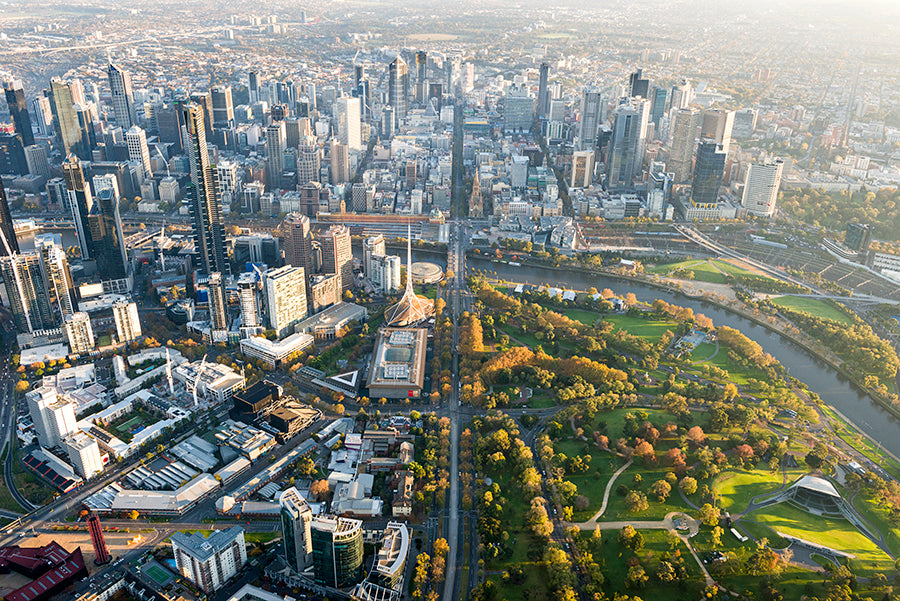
(6, 225)
(708, 170)
(421, 78)
(337, 546)
(206, 215)
(81, 201)
(637, 85)
(626, 145)
(543, 103)
(106, 234)
(18, 110)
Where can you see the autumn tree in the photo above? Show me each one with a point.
(688, 485)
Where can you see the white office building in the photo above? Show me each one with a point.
(136, 139)
(296, 516)
(761, 188)
(209, 562)
(285, 289)
(347, 113)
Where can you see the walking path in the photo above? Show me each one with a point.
(609, 486)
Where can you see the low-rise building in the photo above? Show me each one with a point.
(331, 322)
(275, 352)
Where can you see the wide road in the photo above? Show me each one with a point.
(8, 434)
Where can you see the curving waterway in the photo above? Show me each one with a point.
(835, 390)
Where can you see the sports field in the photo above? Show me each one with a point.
(812, 306)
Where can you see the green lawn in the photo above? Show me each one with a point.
(261, 537)
(649, 329)
(760, 531)
(878, 516)
(586, 317)
(616, 508)
(534, 587)
(704, 351)
(813, 307)
(836, 534)
(590, 484)
(513, 332)
(736, 488)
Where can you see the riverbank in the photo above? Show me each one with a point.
(811, 346)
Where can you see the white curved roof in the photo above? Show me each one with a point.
(817, 484)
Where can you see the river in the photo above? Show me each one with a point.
(835, 390)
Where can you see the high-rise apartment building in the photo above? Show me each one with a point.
(285, 291)
(385, 273)
(275, 146)
(626, 145)
(18, 110)
(373, 245)
(218, 306)
(53, 417)
(29, 301)
(297, 241)
(128, 322)
(206, 212)
(209, 562)
(84, 454)
(761, 188)
(296, 517)
(79, 333)
(708, 171)
(248, 293)
(56, 276)
(122, 96)
(337, 255)
(337, 546)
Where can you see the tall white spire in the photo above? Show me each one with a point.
(408, 256)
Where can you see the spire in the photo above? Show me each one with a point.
(408, 257)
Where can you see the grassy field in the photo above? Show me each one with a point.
(649, 329)
(585, 317)
(704, 352)
(736, 488)
(878, 516)
(813, 307)
(593, 482)
(836, 534)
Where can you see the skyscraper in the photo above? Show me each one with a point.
(309, 161)
(296, 517)
(206, 217)
(684, 132)
(682, 95)
(136, 139)
(297, 241)
(9, 244)
(373, 245)
(122, 96)
(421, 77)
(347, 112)
(658, 96)
(209, 561)
(708, 172)
(543, 103)
(222, 107)
(56, 275)
(398, 88)
(68, 131)
(275, 147)
(337, 255)
(337, 545)
(340, 162)
(218, 308)
(717, 126)
(761, 188)
(128, 322)
(107, 239)
(82, 201)
(285, 289)
(253, 87)
(626, 145)
(591, 117)
(637, 85)
(36, 160)
(248, 288)
(18, 110)
(27, 294)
